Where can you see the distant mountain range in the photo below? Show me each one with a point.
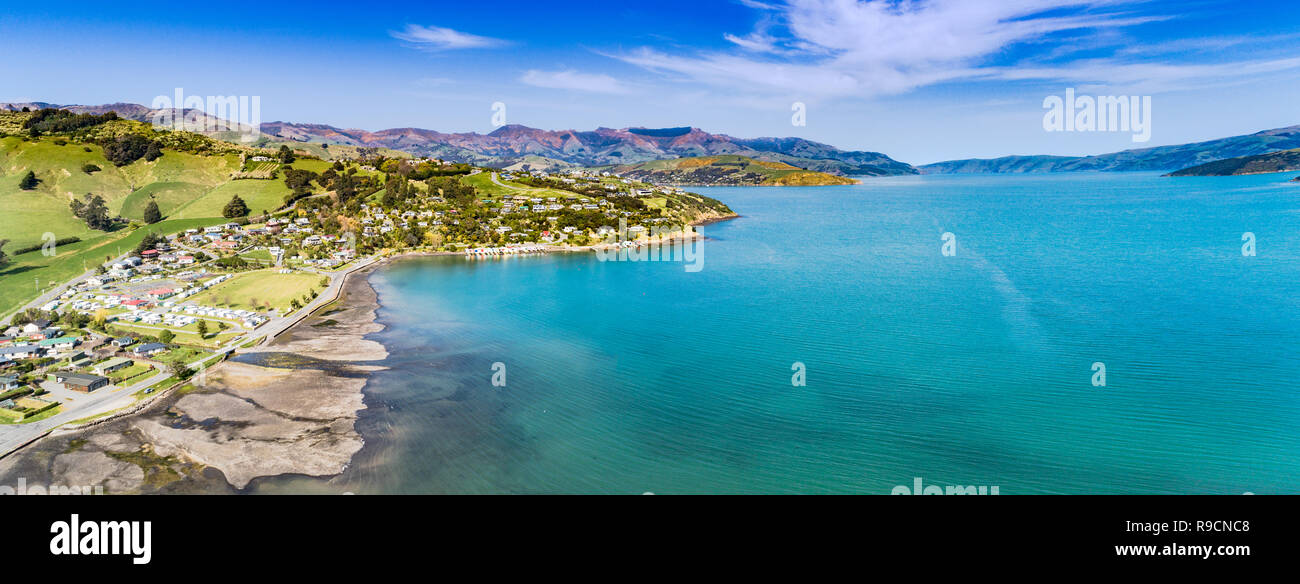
(517, 147)
(513, 144)
(1163, 158)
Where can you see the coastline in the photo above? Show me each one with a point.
(286, 407)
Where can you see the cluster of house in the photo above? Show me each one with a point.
(34, 340)
(191, 312)
(622, 186)
(226, 237)
(543, 205)
(299, 232)
(162, 306)
(376, 221)
(39, 338)
(97, 378)
(151, 261)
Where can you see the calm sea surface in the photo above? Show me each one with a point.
(974, 369)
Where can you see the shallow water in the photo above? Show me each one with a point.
(974, 369)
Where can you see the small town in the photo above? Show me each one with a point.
(182, 301)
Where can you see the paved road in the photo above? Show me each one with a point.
(54, 293)
(110, 399)
(512, 187)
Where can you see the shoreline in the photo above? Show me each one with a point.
(288, 406)
(226, 420)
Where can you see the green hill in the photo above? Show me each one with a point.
(726, 170)
(173, 181)
(191, 182)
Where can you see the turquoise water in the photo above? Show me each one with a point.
(974, 369)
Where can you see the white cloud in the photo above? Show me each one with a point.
(838, 48)
(434, 38)
(574, 80)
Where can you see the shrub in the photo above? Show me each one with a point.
(129, 148)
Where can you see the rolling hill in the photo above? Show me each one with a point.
(1162, 158)
(727, 170)
(1284, 161)
(191, 182)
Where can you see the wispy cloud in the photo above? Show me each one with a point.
(435, 38)
(1148, 77)
(864, 48)
(574, 80)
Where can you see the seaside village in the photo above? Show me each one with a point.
(180, 301)
(149, 318)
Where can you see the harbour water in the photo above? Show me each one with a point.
(975, 368)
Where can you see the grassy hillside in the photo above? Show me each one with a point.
(191, 183)
(173, 181)
(30, 274)
(727, 171)
(257, 194)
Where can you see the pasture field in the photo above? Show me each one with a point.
(255, 290)
(257, 194)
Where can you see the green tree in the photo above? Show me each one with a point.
(235, 208)
(89, 168)
(129, 148)
(3, 257)
(167, 336)
(100, 321)
(180, 370)
(286, 155)
(29, 181)
(153, 152)
(203, 329)
(151, 213)
(149, 241)
(94, 212)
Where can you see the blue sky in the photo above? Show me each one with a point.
(920, 80)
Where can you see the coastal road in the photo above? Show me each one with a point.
(109, 399)
(54, 293)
